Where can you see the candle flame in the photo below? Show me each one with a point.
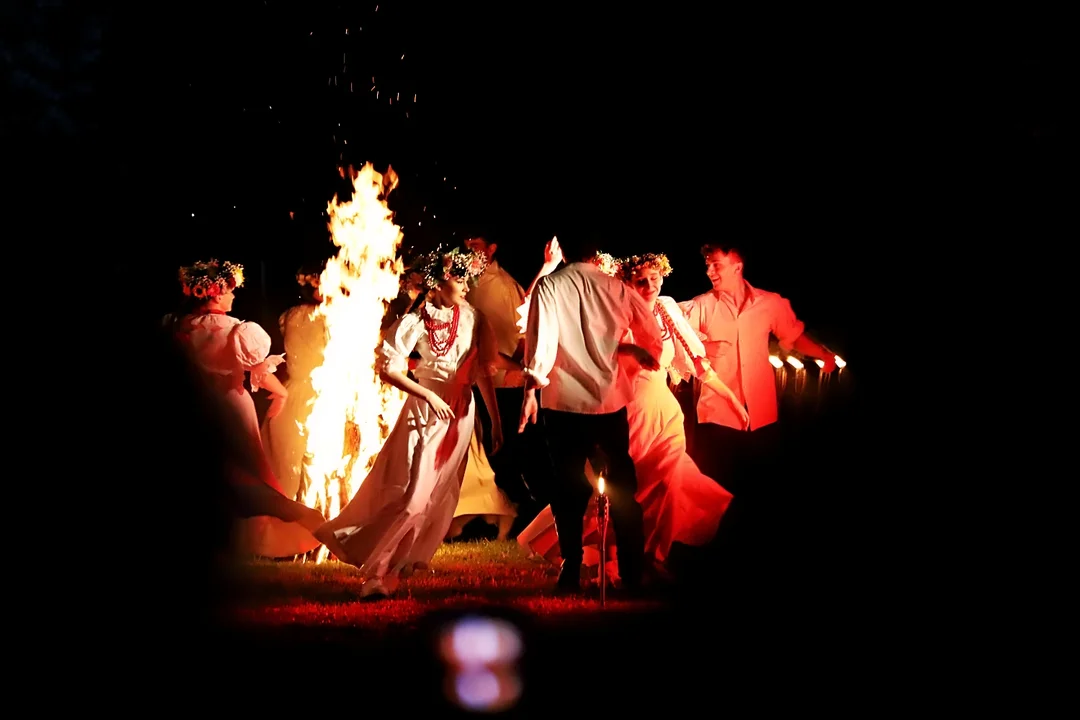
(840, 362)
(795, 362)
(600, 484)
(776, 362)
(819, 362)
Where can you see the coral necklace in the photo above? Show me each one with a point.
(440, 347)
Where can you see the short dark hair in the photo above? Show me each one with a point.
(729, 250)
(580, 246)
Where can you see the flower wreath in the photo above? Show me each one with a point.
(439, 266)
(607, 263)
(311, 279)
(634, 263)
(211, 279)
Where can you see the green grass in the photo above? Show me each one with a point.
(465, 574)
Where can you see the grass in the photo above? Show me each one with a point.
(464, 575)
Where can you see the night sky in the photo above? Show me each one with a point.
(661, 129)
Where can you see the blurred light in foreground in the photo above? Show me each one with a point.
(840, 362)
(776, 362)
(481, 655)
(795, 362)
(819, 362)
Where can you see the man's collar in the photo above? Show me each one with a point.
(752, 293)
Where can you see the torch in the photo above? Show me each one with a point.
(840, 364)
(800, 373)
(781, 378)
(601, 524)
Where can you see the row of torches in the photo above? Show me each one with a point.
(800, 371)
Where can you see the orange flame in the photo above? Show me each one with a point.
(353, 410)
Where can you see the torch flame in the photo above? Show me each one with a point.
(600, 484)
(353, 410)
(840, 362)
(776, 362)
(795, 362)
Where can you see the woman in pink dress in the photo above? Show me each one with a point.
(226, 349)
(400, 514)
(679, 503)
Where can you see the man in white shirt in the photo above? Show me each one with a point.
(522, 466)
(578, 318)
(735, 320)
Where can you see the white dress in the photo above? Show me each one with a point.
(401, 512)
(225, 348)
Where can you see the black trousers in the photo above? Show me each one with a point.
(744, 462)
(522, 467)
(571, 438)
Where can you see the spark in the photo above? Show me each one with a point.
(350, 86)
(399, 96)
(377, 94)
(414, 98)
(372, 87)
(402, 56)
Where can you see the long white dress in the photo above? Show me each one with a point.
(227, 348)
(480, 496)
(679, 503)
(305, 342)
(401, 512)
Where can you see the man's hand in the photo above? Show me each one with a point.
(528, 410)
(552, 253)
(496, 438)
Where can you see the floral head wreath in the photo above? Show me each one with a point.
(607, 263)
(311, 279)
(206, 280)
(439, 266)
(635, 263)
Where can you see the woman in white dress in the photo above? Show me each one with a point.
(226, 349)
(679, 503)
(305, 341)
(399, 516)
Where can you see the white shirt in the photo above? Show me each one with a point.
(577, 318)
(737, 345)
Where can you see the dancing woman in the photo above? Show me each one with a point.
(403, 509)
(305, 338)
(679, 503)
(226, 349)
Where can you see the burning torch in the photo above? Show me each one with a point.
(602, 504)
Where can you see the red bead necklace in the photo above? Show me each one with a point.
(440, 347)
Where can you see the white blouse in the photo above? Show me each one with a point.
(409, 333)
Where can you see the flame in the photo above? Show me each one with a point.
(600, 484)
(353, 410)
(795, 362)
(776, 362)
(840, 362)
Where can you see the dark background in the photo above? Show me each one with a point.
(856, 159)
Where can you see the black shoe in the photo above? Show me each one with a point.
(569, 579)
